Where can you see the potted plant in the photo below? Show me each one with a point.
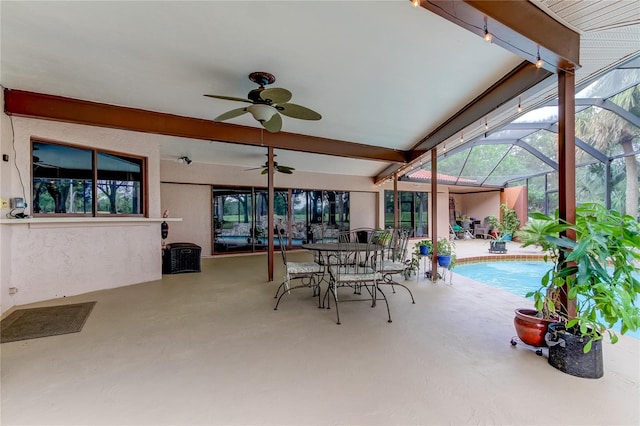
(498, 244)
(425, 247)
(446, 253)
(530, 324)
(507, 225)
(599, 269)
(412, 265)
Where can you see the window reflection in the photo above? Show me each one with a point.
(240, 217)
(63, 181)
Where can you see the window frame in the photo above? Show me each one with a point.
(144, 179)
(413, 225)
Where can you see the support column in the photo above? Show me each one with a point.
(567, 164)
(270, 197)
(434, 214)
(607, 184)
(396, 202)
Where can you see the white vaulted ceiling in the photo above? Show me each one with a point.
(380, 72)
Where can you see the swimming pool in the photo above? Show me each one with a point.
(518, 277)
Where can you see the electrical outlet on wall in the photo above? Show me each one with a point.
(4, 204)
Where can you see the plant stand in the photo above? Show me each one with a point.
(441, 271)
(537, 349)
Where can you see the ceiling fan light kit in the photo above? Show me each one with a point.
(267, 104)
(261, 112)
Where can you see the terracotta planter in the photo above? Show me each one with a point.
(530, 329)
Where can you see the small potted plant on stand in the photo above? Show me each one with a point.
(425, 247)
(446, 252)
(599, 270)
(422, 248)
(412, 265)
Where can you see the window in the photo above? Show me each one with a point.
(413, 212)
(80, 181)
(240, 217)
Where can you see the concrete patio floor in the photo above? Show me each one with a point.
(208, 349)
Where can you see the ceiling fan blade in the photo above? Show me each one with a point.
(230, 114)
(274, 124)
(230, 98)
(276, 95)
(287, 171)
(264, 172)
(298, 111)
(254, 168)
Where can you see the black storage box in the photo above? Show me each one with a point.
(181, 257)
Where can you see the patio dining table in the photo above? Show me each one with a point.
(325, 250)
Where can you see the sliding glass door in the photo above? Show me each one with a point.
(240, 217)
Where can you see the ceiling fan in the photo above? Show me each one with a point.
(282, 169)
(267, 104)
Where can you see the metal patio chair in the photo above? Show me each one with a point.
(393, 262)
(307, 272)
(356, 266)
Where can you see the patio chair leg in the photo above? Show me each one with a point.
(389, 281)
(386, 302)
(335, 299)
(278, 302)
(278, 290)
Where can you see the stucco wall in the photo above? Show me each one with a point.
(45, 261)
(481, 205)
(192, 203)
(363, 210)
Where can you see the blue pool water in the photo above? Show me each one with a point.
(515, 277)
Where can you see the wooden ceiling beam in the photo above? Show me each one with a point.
(517, 26)
(57, 108)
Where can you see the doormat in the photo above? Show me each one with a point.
(33, 323)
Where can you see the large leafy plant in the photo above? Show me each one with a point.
(508, 223)
(599, 269)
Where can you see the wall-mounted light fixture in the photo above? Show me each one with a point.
(184, 159)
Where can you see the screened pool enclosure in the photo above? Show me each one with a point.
(524, 152)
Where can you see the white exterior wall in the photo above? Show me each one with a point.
(363, 207)
(51, 260)
(191, 203)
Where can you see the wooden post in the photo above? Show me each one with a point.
(270, 197)
(434, 213)
(567, 164)
(396, 202)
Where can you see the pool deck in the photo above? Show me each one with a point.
(208, 349)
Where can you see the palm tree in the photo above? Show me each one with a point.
(604, 129)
